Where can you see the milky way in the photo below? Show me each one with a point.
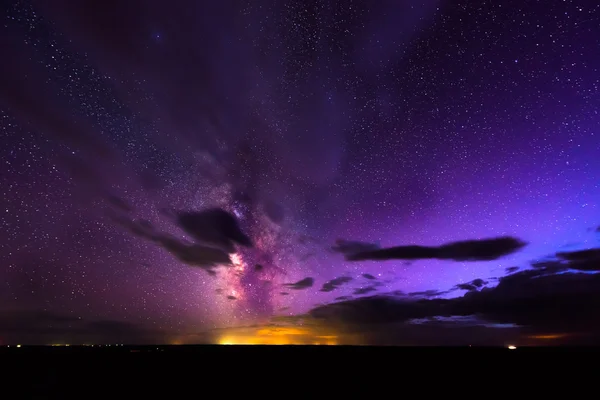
(393, 123)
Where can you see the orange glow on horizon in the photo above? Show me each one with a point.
(549, 336)
(256, 340)
(282, 331)
(279, 336)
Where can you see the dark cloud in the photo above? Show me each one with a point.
(349, 248)
(435, 332)
(365, 290)
(465, 286)
(284, 293)
(191, 254)
(468, 250)
(510, 270)
(372, 310)
(301, 284)
(231, 298)
(439, 334)
(342, 298)
(546, 298)
(368, 276)
(582, 260)
(41, 327)
(335, 283)
(428, 293)
(214, 226)
(258, 267)
(473, 285)
(478, 283)
(372, 287)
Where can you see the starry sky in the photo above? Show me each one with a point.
(312, 123)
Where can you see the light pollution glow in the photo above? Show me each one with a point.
(279, 336)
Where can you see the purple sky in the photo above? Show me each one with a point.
(389, 122)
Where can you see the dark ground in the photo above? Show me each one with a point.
(40, 372)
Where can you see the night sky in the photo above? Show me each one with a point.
(313, 124)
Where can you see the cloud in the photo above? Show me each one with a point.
(333, 284)
(42, 327)
(372, 287)
(368, 276)
(365, 290)
(191, 254)
(306, 330)
(583, 260)
(510, 270)
(214, 226)
(549, 297)
(428, 293)
(468, 250)
(302, 284)
(349, 248)
(231, 298)
(473, 285)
